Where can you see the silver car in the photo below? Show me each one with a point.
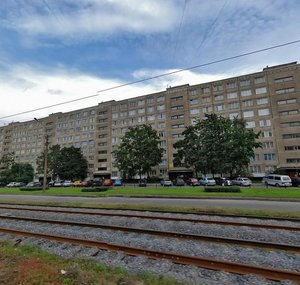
(242, 181)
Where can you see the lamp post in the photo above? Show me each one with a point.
(46, 144)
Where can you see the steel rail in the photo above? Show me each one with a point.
(208, 263)
(206, 238)
(225, 223)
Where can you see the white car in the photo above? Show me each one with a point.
(68, 183)
(242, 181)
(15, 184)
(207, 181)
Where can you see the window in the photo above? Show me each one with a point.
(245, 93)
(267, 134)
(219, 97)
(151, 118)
(161, 107)
(123, 106)
(250, 124)
(150, 109)
(287, 101)
(220, 107)
(132, 112)
(174, 99)
(161, 116)
(255, 157)
(247, 103)
(233, 115)
(248, 114)
(194, 101)
(207, 109)
(288, 113)
(205, 90)
(292, 148)
(102, 152)
(177, 117)
(230, 85)
(141, 119)
(178, 126)
(262, 101)
(193, 92)
(261, 90)
(176, 136)
(175, 108)
(161, 133)
(194, 111)
(290, 124)
(255, 169)
(263, 112)
(244, 82)
(269, 156)
(103, 136)
(141, 111)
(141, 102)
(150, 100)
(233, 105)
(268, 145)
(265, 123)
(284, 79)
(293, 160)
(232, 95)
(206, 100)
(115, 115)
(258, 80)
(285, 90)
(132, 104)
(291, 136)
(114, 107)
(218, 87)
(160, 98)
(161, 125)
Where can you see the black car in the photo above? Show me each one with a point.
(223, 181)
(295, 181)
(142, 183)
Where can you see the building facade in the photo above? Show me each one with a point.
(268, 101)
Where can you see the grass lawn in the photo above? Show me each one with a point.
(252, 192)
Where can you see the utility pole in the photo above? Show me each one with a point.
(46, 145)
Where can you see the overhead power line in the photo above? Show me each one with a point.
(154, 77)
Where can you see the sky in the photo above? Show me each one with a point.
(53, 52)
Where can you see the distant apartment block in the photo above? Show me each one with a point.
(268, 100)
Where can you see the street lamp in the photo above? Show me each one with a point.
(46, 144)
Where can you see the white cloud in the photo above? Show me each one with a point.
(94, 18)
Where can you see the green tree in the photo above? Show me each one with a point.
(217, 145)
(138, 152)
(22, 172)
(66, 163)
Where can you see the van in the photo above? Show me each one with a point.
(278, 180)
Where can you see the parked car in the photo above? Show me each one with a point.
(33, 184)
(207, 181)
(77, 183)
(295, 181)
(179, 182)
(142, 182)
(51, 183)
(264, 179)
(118, 182)
(15, 184)
(97, 181)
(223, 181)
(68, 183)
(166, 182)
(193, 182)
(87, 183)
(107, 182)
(58, 183)
(279, 180)
(242, 181)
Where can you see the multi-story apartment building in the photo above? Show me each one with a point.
(268, 100)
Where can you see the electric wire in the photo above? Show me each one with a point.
(155, 77)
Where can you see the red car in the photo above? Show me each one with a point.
(107, 182)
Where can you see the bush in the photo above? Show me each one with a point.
(31, 188)
(234, 189)
(95, 189)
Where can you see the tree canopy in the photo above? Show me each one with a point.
(217, 145)
(21, 172)
(138, 152)
(66, 163)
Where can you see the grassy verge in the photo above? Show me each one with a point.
(29, 266)
(253, 192)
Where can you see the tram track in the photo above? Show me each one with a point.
(208, 263)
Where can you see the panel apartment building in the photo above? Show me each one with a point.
(268, 100)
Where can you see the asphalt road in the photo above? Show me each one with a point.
(194, 202)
